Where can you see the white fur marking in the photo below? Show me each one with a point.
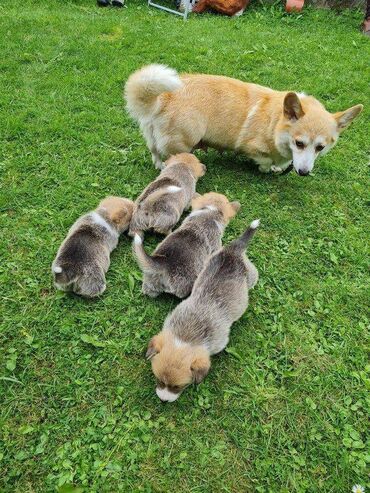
(102, 222)
(198, 212)
(57, 269)
(179, 342)
(220, 226)
(246, 124)
(255, 224)
(253, 111)
(166, 395)
(173, 189)
(137, 239)
(301, 94)
(211, 207)
(320, 140)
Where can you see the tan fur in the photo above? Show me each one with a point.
(177, 366)
(190, 161)
(221, 202)
(230, 114)
(118, 210)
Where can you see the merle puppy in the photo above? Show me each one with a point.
(177, 261)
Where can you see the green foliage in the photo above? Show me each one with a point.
(284, 409)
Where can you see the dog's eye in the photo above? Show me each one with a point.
(300, 144)
(319, 148)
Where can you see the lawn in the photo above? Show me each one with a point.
(285, 408)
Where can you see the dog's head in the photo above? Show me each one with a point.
(176, 365)
(213, 200)
(118, 211)
(192, 162)
(309, 130)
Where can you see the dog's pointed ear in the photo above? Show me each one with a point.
(155, 345)
(292, 107)
(200, 365)
(344, 118)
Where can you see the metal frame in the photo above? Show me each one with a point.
(184, 14)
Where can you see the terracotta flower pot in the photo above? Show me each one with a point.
(294, 5)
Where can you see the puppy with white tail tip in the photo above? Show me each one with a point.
(177, 261)
(200, 325)
(162, 202)
(84, 256)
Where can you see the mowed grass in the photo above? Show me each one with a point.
(285, 408)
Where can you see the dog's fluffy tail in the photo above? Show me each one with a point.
(145, 261)
(241, 243)
(145, 85)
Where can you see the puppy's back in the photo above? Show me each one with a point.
(77, 252)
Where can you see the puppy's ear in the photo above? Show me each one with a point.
(155, 345)
(200, 365)
(171, 160)
(344, 118)
(196, 202)
(292, 107)
(231, 210)
(236, 206)
(121, 218)
(204, 169)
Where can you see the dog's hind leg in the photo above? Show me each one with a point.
(149, 135)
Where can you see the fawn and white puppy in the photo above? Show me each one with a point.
(162, 202)
(274, 128)
(84, 256)
(177, 261)
(200, 325)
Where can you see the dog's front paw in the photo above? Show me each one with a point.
(264, 169)
(276, 169)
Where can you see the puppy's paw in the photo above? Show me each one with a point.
(276, 169)
(148, 291)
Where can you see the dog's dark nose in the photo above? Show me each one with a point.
(302, 172)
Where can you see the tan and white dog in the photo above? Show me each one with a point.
(177, 113)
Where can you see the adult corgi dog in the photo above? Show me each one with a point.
(177, 113)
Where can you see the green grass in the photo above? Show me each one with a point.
(285, 410)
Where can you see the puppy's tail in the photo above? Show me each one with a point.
(145, 261)
(241, 243)
(145, 85)
(62, 273)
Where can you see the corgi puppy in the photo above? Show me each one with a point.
(162, 202)
(200, 325)
(176, 262)
(274, 128)
(83, 258)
